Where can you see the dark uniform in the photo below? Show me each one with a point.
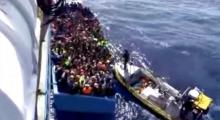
(126, 57)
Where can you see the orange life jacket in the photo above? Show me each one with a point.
(87, 90)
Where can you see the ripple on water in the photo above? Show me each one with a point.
(168, 33)
(127, 110)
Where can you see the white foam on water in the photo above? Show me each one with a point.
(140, 59)
(128, 110)
(136, 57)
(74, 1)
(184, 52)
(216, 108)
(208, 117)
(162, 44)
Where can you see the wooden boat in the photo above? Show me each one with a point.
(158, 96)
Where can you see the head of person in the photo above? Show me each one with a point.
(96, 85)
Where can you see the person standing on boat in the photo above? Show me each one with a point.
(126, 57)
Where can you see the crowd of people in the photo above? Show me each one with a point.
(79, 53)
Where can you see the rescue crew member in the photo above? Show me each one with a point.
(126, 57)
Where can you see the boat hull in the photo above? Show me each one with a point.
(146, 104)
(81, 107)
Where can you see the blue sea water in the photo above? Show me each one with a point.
(177, 39)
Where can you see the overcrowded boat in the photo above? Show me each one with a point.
(82, 65)
(79, 53)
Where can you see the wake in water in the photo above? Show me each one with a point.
(135, 57)
(128, 110)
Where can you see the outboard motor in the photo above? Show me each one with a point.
(196, 103)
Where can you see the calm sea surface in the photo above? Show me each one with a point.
(177, 39)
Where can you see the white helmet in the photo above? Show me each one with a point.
(194, 93)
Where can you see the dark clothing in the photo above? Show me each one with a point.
(126, 57)
(97, 91)
(109, 89)
(58, 74)
(186, 108)
(74, 88)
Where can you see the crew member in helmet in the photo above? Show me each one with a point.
(188, 101)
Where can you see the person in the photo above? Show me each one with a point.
(87, 89)
(187, 106)
(126, 57)
(67, 62)
(97, 89)
(82, 80)
(73, 85)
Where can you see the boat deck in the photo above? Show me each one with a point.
(149, 96)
